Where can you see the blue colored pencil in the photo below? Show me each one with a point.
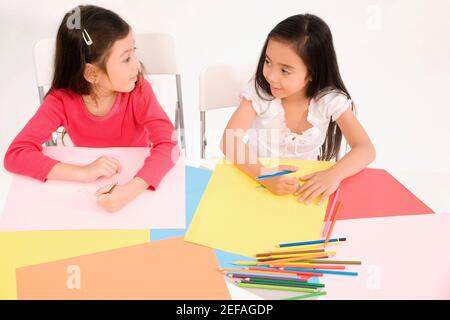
(281, 173)
(293, 244)
(343, 273)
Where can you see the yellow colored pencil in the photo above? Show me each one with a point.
(245, 263)
(311, 256)
(268, 272)
(279, 256)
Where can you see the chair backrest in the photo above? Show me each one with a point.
(157, 53)
(155, 50)
(44, 55)
(220, 85)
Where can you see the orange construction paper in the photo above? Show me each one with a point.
(164, 269)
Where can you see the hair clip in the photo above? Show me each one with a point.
(88, 40)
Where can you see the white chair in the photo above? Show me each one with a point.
(220, 87)
(44, 55)
(157, 53)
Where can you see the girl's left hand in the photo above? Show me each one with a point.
(115, 200)
(322, 183)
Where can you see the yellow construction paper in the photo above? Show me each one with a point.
(20, 249)
(237, 216)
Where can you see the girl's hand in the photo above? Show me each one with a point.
(102, 167)
(281, 185)
(319, 183)
(120, 195)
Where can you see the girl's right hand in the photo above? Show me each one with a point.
(102, 167)
(281, 185)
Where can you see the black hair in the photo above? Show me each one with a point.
(74, 50)
(311, 39)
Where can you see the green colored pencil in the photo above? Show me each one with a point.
(306, 284)
(306, 296)
(245, 263)
(270, 287)
(296, 285)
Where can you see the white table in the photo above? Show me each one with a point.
(396, 272)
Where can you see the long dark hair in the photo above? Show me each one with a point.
(311, 38)
(103, 26)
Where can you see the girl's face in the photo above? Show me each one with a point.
(284, 70)
(122, 67)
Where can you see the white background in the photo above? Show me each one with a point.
(394, 57)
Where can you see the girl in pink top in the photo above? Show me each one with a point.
(100, 97)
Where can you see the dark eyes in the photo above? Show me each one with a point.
(129, 58)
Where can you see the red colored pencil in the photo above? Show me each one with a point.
(330, 213)
(307, 266)
(339, 206)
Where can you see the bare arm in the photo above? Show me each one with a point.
(246, 159)
(362, 151)
(232, 144)
(102, 167)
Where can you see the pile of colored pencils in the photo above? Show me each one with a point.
(291, 265)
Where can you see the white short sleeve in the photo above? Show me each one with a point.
(335, 103)
(249, 93)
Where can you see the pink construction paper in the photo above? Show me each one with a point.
(66, 205)
(402, 258)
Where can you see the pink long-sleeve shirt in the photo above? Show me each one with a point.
(135, 120)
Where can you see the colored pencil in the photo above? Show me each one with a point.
(281, 173)
(277, 257)
(314, 255)
(343, 273)
(268, 254)
(306, 296)
(271, 287)
(243, 276)
(307, 266)
(265, 268)
(333, 262)
(313, 285)
(277, 271)
(268, 272)
(302, 247)
(330, 213)
(254, 274)
(309, 242)
(111, 189)
(294, 285)
(339, 206)
(244, 263)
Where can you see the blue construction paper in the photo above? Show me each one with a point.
(195, 184)
(196, 181)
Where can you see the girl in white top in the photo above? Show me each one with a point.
(297, 106)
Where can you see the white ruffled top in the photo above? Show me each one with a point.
(269, 135)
